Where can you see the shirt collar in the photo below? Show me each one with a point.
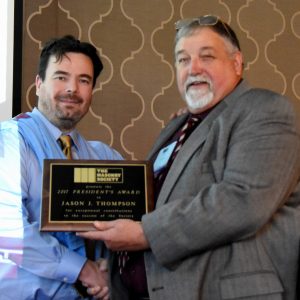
(55, 132)
(201, 116)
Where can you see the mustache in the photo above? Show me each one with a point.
(69, 97)
(197, 79)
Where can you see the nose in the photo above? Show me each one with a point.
(195, 66)
(71, 87)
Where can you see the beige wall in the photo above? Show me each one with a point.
(137, 90)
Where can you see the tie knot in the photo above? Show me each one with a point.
(194, 120)
(66, 144)
(190, 123)
(66, 140)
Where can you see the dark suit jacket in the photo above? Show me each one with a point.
(227, 221)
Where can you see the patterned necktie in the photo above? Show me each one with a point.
(66, 145)
(184, 133)
(123, 257)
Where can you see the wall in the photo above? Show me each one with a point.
(137, 91)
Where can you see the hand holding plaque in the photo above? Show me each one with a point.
(78, 192)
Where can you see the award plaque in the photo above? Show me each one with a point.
(78, 192)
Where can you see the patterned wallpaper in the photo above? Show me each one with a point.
(136, 93)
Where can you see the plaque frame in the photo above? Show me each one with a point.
(119, 179)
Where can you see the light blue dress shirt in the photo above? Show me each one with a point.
(34, 264)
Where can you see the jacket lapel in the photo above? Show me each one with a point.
(166, 134)
(192, 144)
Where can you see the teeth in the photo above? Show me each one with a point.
(197, 82)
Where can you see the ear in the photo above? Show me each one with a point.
(238, 62)
(38, 82)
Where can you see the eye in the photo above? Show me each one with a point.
(182, 60)
(86, 81)
(207, 57)
(60, 78)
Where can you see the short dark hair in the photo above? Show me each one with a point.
(59, 47)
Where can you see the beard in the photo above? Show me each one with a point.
(60, 116)
(198, 98)
(66, 121)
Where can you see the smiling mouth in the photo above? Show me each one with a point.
(197, 84)
(69, 100)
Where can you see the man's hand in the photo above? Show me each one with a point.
(94, 276)
(179, 112)
(99, 293)
(119, 235)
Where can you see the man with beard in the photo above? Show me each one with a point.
(227, 216)
(44, 265)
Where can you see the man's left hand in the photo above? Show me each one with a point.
(118, 235)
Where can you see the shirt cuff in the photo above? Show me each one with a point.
(70, 267)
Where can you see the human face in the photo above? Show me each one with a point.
(207, 67)
(65, 95)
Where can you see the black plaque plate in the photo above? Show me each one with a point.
(78, 192)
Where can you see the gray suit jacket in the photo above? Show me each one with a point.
(227, 221)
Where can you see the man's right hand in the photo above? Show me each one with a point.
(94, 276)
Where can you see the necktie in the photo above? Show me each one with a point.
(66, 145)
(184, 133)
(123, 257)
